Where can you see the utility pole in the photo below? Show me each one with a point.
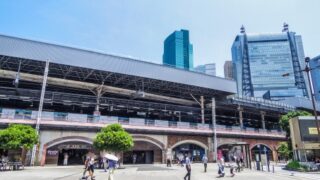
(43, 90)
(308, 70)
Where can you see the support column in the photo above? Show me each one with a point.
(167, 155)
(202, 109)
(98, 97)
(240, 109)
(215, 143)
(263, 120)
(210, 150)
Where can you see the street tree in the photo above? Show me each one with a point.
(113, 138)
(18, 136)
(283, 150)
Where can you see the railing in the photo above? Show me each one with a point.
(19, 114)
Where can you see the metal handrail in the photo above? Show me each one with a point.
(71, 117)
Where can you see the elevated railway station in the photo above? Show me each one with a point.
(168, 111)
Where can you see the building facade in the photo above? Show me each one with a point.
(304, 138)
(209, 69)
(261, 60)
(315, 64)
(228, 69)
(159, 110)
(178, 51)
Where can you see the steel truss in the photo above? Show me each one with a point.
(98, 77)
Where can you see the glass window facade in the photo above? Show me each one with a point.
(268, 61)
(315, 63)
(270, 56)
(178, 51)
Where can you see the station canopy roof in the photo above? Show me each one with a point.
(126, 71)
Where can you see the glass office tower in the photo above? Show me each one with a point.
(261, 60)
(315, 64)
(209, 69)
(178, 51)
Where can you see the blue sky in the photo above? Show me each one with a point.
(137, 28)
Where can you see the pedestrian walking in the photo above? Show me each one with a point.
(188, 168)
(231, 170)
(238, 164)
(90, 168)
(105, 164)
(111, 167)
(221, 168)
(205, 162)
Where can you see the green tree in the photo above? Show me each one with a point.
(283, 150)
(18, 136)
(113, 138)
(284, 124)
(284, 120)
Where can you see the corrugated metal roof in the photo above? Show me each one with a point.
(23, 48)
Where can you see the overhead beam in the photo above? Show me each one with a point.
(85, 85)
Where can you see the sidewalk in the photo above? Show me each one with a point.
(279, 171)
(147, 172)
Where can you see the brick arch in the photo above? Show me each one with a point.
(62, 140)
(267, 145)
(69, 139)
(190, 141)
(150, 140)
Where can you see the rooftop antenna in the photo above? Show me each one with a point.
(242, 29)
(285, 27)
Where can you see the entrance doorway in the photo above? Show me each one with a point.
(233, 151)
(138, 157)
(262, 153)
(72, 156)
(68, 153)
(194, 151)
(143, 152)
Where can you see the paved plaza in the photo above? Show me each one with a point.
(148, 172)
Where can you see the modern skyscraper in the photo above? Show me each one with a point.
(315, 64)
(228, 70)
(209, 69)
(260, 61)
(178, 51)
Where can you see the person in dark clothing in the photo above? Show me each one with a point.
(238, 165)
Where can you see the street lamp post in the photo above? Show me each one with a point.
(308, 70)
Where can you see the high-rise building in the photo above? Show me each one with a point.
(178, 51)
(209, 69)
(228, 70)
(261, 60)
(315, 65)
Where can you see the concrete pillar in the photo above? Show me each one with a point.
(263, 120)
(202, 109)
(215, 143)
(97, 108)
(164, 155)
(210, 150)
(240, 110)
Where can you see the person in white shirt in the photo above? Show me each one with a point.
(205, 162)
(188, 168)
(65, 159)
